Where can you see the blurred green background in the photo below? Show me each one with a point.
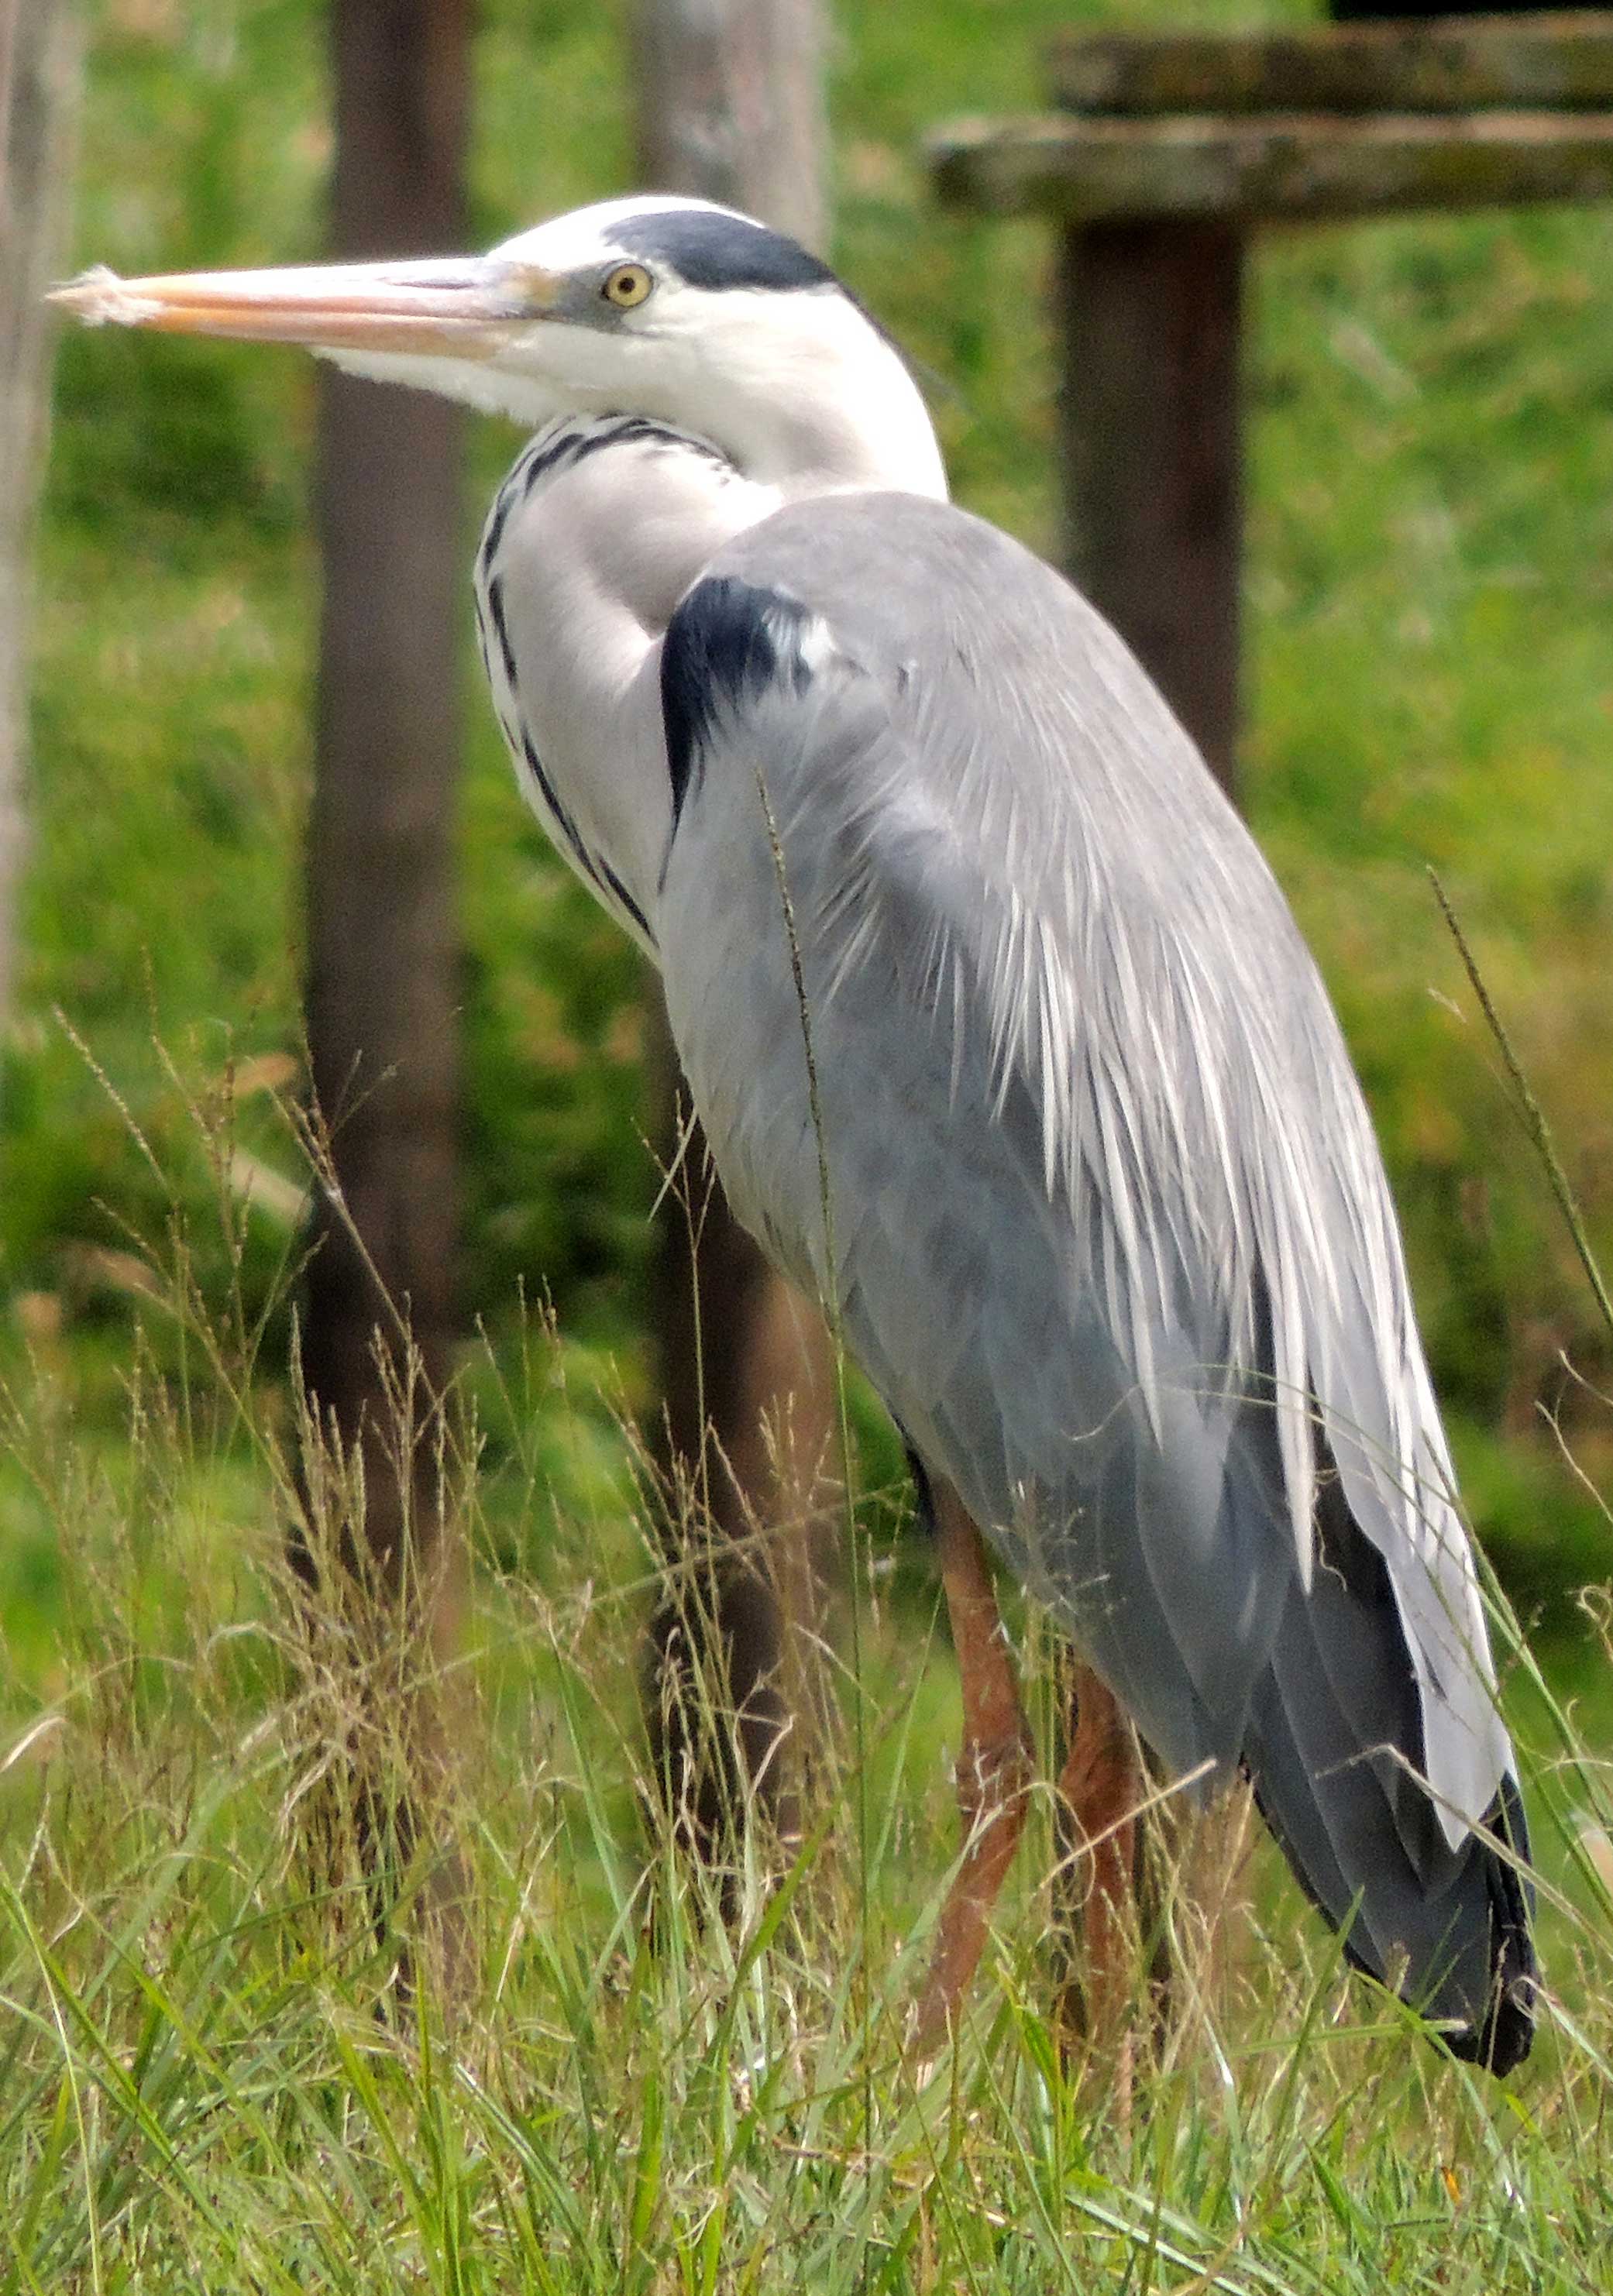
(1429, 679)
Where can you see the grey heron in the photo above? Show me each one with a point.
(1004, 1039)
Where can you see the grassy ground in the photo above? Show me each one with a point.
(211, 2079)
(205, 2084)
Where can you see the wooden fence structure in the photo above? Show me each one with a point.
(1162, 158)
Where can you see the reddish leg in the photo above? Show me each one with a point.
(1102, 1789)
(993, 1769)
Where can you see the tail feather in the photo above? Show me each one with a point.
(1505, 2036)
(1451, 1927)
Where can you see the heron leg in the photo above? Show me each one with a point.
(1101, 1792)
(994, 1768)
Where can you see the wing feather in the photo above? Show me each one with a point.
(1112, 1233)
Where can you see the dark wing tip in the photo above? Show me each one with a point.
(1505, 2038)
(1501, 2043)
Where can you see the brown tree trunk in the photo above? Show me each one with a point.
(383, 939)
(39, 58)
(731, 108)
(382, 989)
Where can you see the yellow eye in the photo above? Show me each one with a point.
(627, 286)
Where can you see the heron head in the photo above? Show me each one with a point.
(674, 308)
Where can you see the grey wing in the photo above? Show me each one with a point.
(1107, 1224)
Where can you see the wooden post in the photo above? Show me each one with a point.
(1168, 152)
(730, 102)
(1150, 436)
(731, 107)
(383, 976)
(382, 932)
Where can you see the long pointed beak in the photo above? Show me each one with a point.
(463, 307)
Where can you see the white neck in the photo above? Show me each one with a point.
(603, 525)
(820, 410)
(595, 535)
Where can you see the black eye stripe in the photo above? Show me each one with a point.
(719, 251)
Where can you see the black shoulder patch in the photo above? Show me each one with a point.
(726, 645)
(721, 250)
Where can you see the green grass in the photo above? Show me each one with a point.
(211, 2079)
(207, 2081)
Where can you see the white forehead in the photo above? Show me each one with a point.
(570, 243)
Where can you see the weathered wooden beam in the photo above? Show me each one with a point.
(1294, 167)
(1151, 441)
(1455, 63)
